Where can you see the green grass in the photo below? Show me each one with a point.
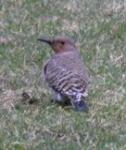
(99, 28)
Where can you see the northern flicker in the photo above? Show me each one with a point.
(66, 73)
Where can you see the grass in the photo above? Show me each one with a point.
(99, 28)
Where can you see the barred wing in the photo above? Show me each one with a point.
(61, 79)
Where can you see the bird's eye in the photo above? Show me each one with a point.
(62, 43)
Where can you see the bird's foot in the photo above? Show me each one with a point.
(62, 103)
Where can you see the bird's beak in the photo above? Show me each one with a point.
(48, 41)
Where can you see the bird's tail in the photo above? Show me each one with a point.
(78, 103)
(80, 106)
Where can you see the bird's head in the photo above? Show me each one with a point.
(60, 44)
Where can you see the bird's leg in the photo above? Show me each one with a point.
(60, 98)
(57, 97)
(79, 104)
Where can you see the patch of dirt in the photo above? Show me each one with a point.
(5, 40)
(7, 99)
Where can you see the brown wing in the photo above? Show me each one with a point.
(62, 79)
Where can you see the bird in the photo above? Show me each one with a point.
(66, 73)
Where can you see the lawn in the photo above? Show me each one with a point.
(28, 120)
